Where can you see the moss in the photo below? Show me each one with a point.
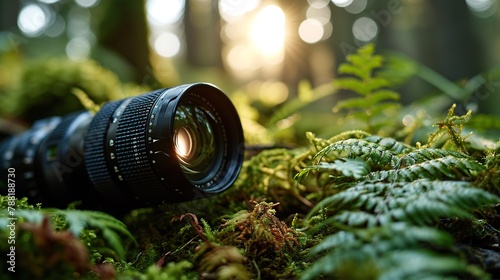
(56, 86)
(368, 207)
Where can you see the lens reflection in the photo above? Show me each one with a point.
(195, 141)
(183, 142)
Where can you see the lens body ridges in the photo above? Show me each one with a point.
(169, 145)
(98, 166)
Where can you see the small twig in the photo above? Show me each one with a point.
(196, 226)
(162, 260)
(137, 258)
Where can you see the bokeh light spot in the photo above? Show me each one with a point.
(48, 1)
(318, 4)
(167, 44)
(57, 27)
(408, 120)
(273, 92)
(231, 10)
(78, 48)
(241, 57)
(164, 12)
(32, 20)
(311, 31)
(482, 8)
(87, 3)
(365, 29)
(322, 15)
(268, 30)
(342, 3)
(357, 6)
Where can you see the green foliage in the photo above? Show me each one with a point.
(109, 227)
(418, 202)
(362, 204)
(375, 98)
(342, 167)
(56, 86)
(394, 251)
(78, 222)
(386, 197)
(259, 232)
(407, 188)
(223, 262)
(171, 271)
(452, 127)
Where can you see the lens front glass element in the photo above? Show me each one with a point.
(183, 142)
(195, 139)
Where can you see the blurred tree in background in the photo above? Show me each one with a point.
(262, 48)
(352, 92)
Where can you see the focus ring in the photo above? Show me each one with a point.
(95, 157)
(131, 150)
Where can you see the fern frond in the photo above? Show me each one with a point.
(31, 216)
(362, 63)
(110, 227)
(448, 167)
(422, 155)
(352, 84)
(320, 143)
(375, 99)
(354, 168)
(390, 144)
(378, 246)
(379, 154)
(417, 202)
(425, 264)
(405, 235)
(359, 219)
(368, 101)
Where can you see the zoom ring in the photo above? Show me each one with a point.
(131, 150)
(95, 158)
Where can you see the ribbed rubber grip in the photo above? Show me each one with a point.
(95, 155)
(131, 150)
(59, 181)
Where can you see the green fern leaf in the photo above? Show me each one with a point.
(376, 246)
(368, 101)
(418, 202)
(359, 219)
(354, 168)
(426, 264)
(359, 148)
(346, 68)
(32, 216)
(364, 60)
(375, 99)
(448, 167)
(389, 144)
(353, 84)
(111, 227)
(421, 155)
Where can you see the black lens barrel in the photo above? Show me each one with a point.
(124, 156)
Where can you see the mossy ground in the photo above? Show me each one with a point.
(385, 200)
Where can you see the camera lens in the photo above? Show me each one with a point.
(19, 152)
(168, 145)
(196, 136)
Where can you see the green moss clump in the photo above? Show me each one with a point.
(361, 204)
